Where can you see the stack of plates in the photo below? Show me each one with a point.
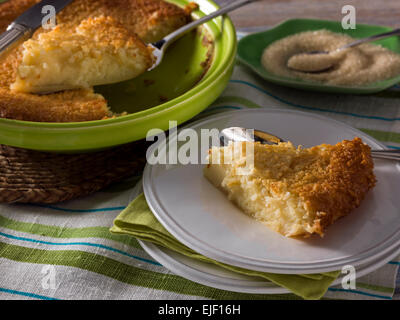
(202, 218)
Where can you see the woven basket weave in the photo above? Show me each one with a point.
(38, 177)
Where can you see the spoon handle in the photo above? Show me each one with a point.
(164, 43)
(372, 38)
(241, 134)
(386, 154)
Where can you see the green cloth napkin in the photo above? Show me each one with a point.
(137, 220)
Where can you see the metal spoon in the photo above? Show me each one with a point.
(161, 46)
(347, 46)
(242, 134)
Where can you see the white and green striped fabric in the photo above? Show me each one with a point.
(67, 252)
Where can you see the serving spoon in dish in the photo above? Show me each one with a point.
(161, 46)
(236, 134)
(320, 61)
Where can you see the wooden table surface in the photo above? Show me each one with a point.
(271, 12)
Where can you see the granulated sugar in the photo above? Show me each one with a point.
(361, 65)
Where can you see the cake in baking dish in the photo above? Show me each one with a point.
(150, 20)
(294, 191)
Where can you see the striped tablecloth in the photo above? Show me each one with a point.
(67, 252)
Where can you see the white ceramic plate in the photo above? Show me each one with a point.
(202, 218)
(214, 276)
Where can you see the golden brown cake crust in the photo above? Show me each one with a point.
(68, 106)
(150, 19)
(295, 191)
(343, 183)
